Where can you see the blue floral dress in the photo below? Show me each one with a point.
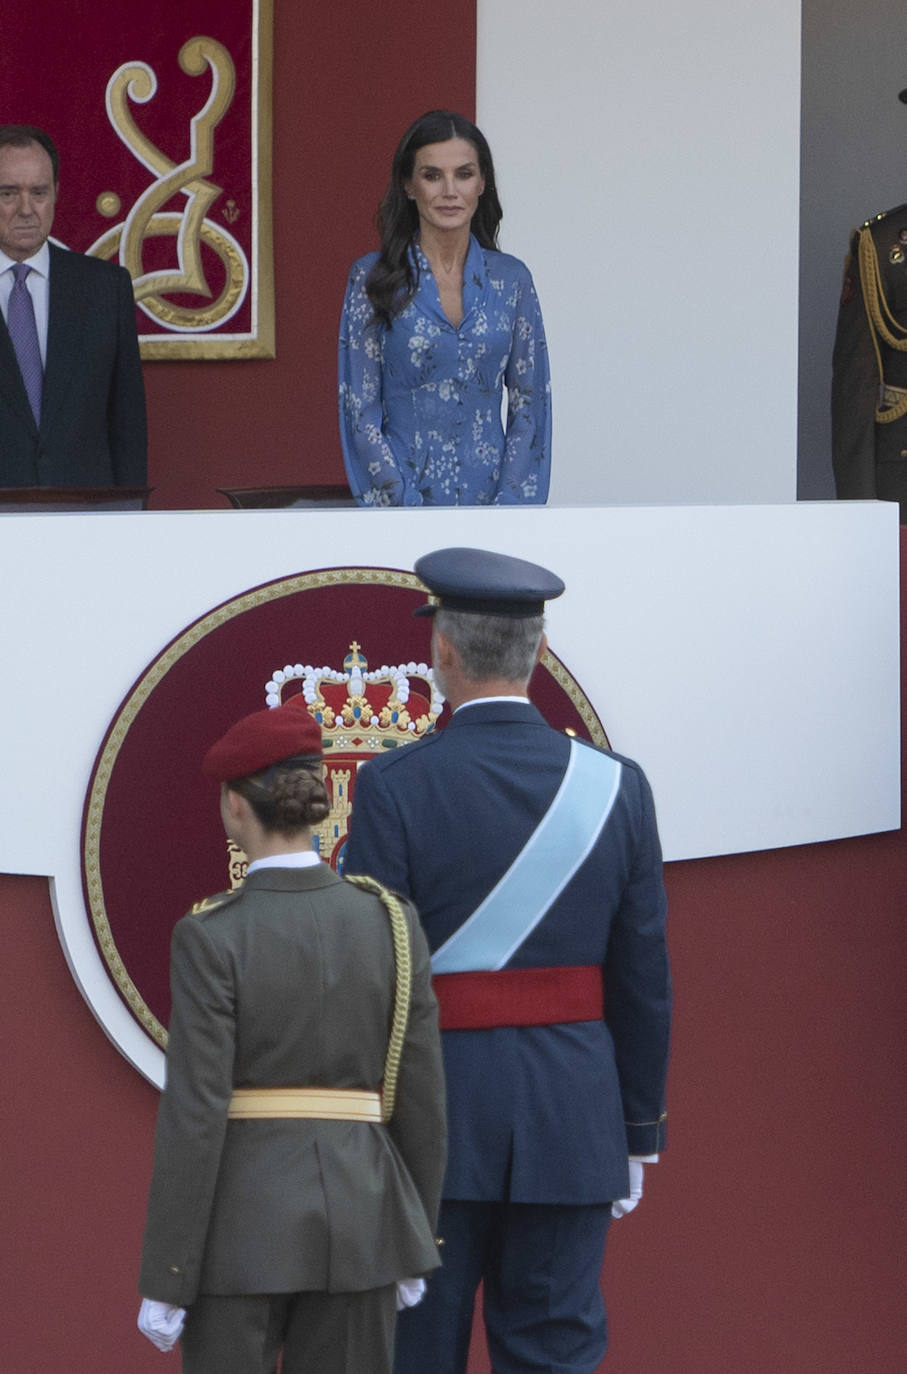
(420, 402)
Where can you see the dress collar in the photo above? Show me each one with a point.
(475, 279)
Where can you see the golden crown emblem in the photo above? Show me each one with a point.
(362, 711)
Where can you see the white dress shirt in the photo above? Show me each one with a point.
(300, 858)
(37, 283)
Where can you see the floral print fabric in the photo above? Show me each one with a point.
(420, 402)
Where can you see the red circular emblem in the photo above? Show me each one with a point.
(344, 638)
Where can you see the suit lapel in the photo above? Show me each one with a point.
(65, 312)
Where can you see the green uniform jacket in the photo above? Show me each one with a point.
(289, 982)
(870, 456)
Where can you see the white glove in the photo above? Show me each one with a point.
(623, 1205)
(409, 1293)
(161, 1323)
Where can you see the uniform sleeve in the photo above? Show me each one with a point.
(638, 987)
(377, 842)
(192, 1116)
(126, 420)
(371, 469)
(854, 390)
(419, 1123)
(526, 469)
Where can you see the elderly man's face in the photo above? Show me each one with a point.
(28, 198)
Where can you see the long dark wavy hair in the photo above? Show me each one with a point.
(392, 282)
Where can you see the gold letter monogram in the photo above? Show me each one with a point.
(137, 82)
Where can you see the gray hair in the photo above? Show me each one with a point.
(493, 646)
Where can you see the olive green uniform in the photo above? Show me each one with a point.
(290, 982)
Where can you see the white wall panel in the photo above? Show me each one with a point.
(648, 160)
(747, 656)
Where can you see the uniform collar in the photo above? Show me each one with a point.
(484, 710)
(302, 858)
(291, 879)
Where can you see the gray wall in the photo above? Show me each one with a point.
(854, 165)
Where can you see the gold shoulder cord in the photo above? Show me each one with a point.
(880, 325)
(402, 990)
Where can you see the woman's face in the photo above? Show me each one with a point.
(446, 184)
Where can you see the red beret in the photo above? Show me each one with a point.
(263, 738)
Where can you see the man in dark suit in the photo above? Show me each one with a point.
(535, 864)
(72, 399)
(869, 365)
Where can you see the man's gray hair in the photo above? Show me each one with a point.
(492, 646)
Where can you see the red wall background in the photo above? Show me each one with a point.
(348, 79)
(771, 1237)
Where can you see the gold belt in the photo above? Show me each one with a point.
(893, 405)
(321, 1104)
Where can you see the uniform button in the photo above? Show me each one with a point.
(175, 1269)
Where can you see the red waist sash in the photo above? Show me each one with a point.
(519, 997)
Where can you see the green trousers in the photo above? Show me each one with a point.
(319, 1333)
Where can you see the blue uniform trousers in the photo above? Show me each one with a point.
(543, 1307)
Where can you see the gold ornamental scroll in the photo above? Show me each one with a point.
(197, 238)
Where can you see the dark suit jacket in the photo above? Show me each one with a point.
(290, 982)
(541, 1114)
(870, 458)
(93, 431)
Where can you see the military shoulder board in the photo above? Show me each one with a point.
(209, 904)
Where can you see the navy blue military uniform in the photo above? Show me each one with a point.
(540, 1117)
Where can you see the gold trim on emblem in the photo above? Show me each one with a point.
(221, 615)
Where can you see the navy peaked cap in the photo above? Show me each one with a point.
(485, 583)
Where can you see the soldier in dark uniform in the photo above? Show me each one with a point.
(869, 368)
(538, 868)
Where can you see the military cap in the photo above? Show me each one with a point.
(281, 734)
(485, 583)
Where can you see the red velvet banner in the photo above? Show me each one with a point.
(153, 843)
(162, 115)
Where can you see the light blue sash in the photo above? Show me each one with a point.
(538, 875)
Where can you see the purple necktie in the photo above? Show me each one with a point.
(24, 333)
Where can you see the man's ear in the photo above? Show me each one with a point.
(542, 649)
(447, 656)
